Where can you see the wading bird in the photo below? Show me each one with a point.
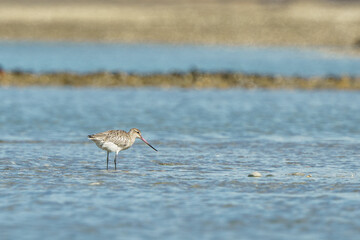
(116, 141)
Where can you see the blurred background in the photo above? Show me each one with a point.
(332, 23)
(311, 38)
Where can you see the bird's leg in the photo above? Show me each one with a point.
(115, 160)
(107, 161)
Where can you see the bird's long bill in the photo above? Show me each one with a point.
(147, 143)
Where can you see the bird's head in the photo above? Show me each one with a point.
(136, 132)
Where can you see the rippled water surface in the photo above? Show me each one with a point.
(54, 183)
(154, 58)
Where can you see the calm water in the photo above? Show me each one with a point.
(150, 58)
(54, 183)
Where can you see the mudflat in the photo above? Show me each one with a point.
(295, 23)
(179, 80)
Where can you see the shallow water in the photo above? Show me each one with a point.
(162, 58)
(54, 183)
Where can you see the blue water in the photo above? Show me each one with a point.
(54, 183)
(155, 58)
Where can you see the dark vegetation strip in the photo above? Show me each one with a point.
(183, 80)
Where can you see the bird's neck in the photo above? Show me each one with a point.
(132, 138)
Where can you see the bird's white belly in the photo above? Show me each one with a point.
(109, 146)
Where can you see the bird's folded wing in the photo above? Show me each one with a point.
(119, 137)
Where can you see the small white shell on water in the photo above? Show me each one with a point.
(254, 174)
(95, 183)
(297, 174)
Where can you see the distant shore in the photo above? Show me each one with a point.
(195, 80)
(247, 22)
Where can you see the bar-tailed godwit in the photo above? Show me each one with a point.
(116, 141)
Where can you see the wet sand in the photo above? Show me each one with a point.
(291, 23)
(182, 80)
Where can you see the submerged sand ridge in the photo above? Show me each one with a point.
(182, 80)
(295, 23)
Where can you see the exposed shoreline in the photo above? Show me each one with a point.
(197, 80)
(255, 23)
